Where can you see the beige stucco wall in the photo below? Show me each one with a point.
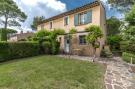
(98, 18)
(59, 23)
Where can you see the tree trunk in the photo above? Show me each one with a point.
(6, 22)
(94, 56)
(4, 32)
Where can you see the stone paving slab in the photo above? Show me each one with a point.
(118, 74)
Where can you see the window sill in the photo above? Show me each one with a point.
(83, 44)
(83, 24)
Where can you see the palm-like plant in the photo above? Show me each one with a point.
(94, 32)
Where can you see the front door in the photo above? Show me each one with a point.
(67, 44)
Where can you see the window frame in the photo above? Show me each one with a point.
(65, 24)
(84, 40)
(51, 24)
(82, 17)
(85, 17)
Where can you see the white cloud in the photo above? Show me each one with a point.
(45, 8)
(104, 0)
(58, 5)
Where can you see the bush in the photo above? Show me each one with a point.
(46, 47)
(72, 31)
(3, 34)
(114, 42)
(105, 54)
(127, 46)
(58, 31)
(15, 50)
(127, 57)
(55, 47)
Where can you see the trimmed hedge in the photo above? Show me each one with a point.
(14, 50)
(127, 57)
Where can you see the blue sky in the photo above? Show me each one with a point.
(50, 8)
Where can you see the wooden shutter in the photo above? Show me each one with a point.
(89, 16)
(76, 21)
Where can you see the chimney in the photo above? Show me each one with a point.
(21, 32)
(28, 32)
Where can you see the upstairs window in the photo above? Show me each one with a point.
(66, 21)
(51, 23)
(83, 18)
(82, 39)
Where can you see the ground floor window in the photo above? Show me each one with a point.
(82, 39)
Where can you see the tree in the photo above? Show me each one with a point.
(10, 14)
(4, 33)
(121, 5)
(94, 32)
(36, 21)
(128, 34)
(113, 25)
(130, 17)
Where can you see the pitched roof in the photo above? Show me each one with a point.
(87, 6)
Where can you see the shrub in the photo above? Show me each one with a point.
(46, 47)
(127, 57)
(105, 53)
(3, 34)
(58, 31)
(55, 47)
(4, 51)
(127, 46)
(73, 31)
(42, 33)
(114, 42)
(16, 50)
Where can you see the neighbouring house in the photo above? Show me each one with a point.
(20, 36)
(78, 18)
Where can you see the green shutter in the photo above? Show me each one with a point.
(89, 16)
(76, 19)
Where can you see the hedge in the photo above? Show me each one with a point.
(127, 57)
(14, 50)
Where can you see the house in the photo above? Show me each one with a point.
(20, 36)
(78, 18)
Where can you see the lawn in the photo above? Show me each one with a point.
(50, 72)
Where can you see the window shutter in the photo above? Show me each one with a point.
(76, 19)
(89, 16)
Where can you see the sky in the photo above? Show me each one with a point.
(49, 8)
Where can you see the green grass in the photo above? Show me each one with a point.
(50, 72)
(127, 57)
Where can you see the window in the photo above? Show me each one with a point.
(51, 25)
(66, 21)
(82, 39)
(83, 18)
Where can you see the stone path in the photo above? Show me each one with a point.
(118, 75)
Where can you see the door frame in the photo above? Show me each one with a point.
(66, 44)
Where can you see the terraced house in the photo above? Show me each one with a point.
(78, 18)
